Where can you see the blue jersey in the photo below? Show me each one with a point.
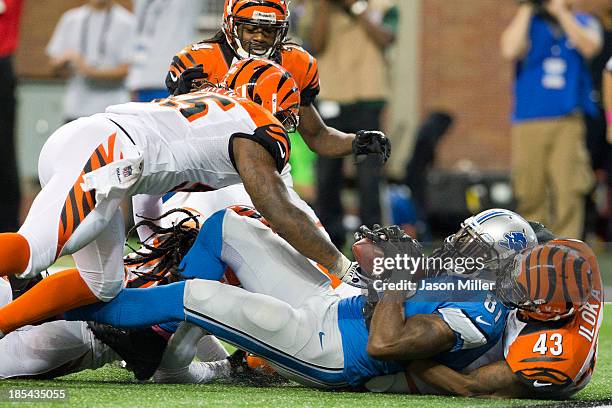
(475, 316)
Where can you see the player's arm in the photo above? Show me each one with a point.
(265, 186)
(327, 141)
(393, 337)
(322, 139)
(494, 380)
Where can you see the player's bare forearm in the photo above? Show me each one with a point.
(494, 380)
(269, 195)
(392, 337)
(322, 139)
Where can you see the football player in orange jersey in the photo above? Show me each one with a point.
(211, 137)
(550, 342)
(258, 28)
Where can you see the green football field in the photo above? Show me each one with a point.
(115, 387)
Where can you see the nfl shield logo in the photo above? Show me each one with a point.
(127, 171)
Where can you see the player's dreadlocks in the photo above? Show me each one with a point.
(166, 247)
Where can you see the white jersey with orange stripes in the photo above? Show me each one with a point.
(187, 139)
(89, 166)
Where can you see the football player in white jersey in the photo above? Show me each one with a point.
(209, 139)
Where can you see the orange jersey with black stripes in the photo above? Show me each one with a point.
(187, 139)
(555, 358)
(216, 58)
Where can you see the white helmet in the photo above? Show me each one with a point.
(492, 236)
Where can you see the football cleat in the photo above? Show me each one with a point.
(253, 371)
(141, 349)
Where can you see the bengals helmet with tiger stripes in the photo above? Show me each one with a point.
(273, 14)
(269, 85)
(549, 282)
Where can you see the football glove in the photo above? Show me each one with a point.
(368, 142)
(393, 241)
(190, 78)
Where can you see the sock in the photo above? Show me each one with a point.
(194, 373)
(203, 260)
(14, 254)
(182, 347)
(50, 297)
(136, 307)
(211, 349)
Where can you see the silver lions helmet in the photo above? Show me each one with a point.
(492, 238)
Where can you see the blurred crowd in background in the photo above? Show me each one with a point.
(488, 103)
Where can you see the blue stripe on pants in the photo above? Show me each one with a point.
(330, 377)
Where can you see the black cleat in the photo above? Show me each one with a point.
(141, 349)
(242, 373)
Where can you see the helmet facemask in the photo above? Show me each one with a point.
(271, 16)
(468, 243)
(247, 49)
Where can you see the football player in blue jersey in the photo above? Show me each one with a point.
(287, 313)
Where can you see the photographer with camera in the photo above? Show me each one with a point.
(551, 43)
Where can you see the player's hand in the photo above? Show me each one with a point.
(368, 142)
(189, 79)
(391, 238)
(393, 241)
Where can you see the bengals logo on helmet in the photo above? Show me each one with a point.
(272, 14)
(550, 281)
(269, 85)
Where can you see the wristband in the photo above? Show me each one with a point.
(609, 116)
(342, 267)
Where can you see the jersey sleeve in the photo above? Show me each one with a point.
(202, 53)
(271, 137)
(470, 327)
(305, 70)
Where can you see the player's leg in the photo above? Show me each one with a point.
(178, 366)
(6, 293)
(52, 350)
(56, 216)
(291, 338)
(303, 343)
(65, 219)
(263, 262)
(99, 277)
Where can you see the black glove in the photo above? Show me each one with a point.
(186, 81)
(371, 142)
(393, 241)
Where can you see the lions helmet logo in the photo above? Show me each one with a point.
(515, 240)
